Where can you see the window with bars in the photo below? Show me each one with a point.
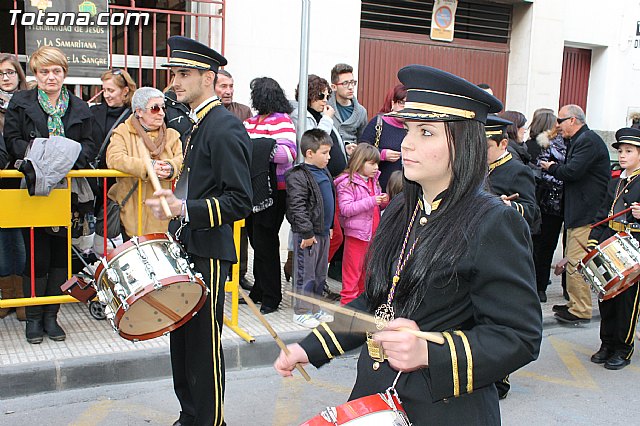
(482, 21)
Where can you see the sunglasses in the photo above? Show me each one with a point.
(561, 120)
(322, 96)
(155, 109)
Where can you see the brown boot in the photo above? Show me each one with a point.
(288, 266)
(6, 292)
(19, 293)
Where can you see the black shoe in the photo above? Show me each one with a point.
(34, 332)
(568, 318)
(560, 308)
(616, 362)
(602, 355)
(53, 329)
(542, 296)
(328, 294)
(265, 310)
(245, 284)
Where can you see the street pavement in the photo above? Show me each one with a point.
(561, 388)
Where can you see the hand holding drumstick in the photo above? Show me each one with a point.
(161, 205)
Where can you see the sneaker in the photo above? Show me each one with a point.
(306, 320)
(323, 316)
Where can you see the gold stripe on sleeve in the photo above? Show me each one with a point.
(333, 337)
(323, 343)
(467, 351)
(454, 363)
(210, 212)
(634, 318)
(215, 200)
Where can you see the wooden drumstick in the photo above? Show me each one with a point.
(424, 335)
(146, 159)
(273, 333)
(512, 197)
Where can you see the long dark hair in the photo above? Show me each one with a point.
(268, 97)
(446, 236)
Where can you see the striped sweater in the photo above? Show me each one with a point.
(279, 127)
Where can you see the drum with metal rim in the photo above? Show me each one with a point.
(148, 287)
(613, 266)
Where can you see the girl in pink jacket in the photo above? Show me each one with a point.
(359, 199)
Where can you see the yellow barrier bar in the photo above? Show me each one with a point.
(72, 173)
(36, 301)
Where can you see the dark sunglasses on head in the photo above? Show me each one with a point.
(322, 96)
(560, 120)
(155, 109)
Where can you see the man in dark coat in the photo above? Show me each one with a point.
(212, 191)
(585, 174)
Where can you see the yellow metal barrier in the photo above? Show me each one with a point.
(55, 210)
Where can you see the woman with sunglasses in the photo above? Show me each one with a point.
(145, 125)
(12, 254)
(437, 263)
(117, 90)
(320, 115)
(47, 110)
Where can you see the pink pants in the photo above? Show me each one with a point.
(353, 269)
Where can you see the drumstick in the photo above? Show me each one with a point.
(424, 335)
(611, 217)
(273, 333)
(146, 159)
(512, 197)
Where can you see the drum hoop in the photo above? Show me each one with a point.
(174, 279)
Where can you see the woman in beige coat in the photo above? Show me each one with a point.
(144, 129)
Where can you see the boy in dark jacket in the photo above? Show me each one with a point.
(619, 315)
(310, 204)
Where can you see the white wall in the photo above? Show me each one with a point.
(263, 39)
(541, 31)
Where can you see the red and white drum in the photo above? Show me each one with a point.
(381, 409)
(148, 287)
(612, 266)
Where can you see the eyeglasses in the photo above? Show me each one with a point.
(561, 120)
(155, 109)
(348, 83)
(8, 73)
(322, 96)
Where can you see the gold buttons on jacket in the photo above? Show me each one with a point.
(423, 221)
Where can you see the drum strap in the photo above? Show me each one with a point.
(622, 227)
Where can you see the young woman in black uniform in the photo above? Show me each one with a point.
(447, 257)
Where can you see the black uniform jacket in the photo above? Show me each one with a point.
(491, 319)
(508, 176)
(585, 174)
(218, 156)
(25, 120)
(629, 192)
(177, 116)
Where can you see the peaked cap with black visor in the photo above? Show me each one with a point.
(436, 95)
(188, 53)
(496, 126)
(627, 135)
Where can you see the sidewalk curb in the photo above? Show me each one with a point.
(73, 373)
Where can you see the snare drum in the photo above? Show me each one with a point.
(612, 266)
(381, 409)
(148, 287)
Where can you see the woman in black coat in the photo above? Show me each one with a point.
(47, 110)
(437, 264)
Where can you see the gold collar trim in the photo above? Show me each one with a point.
(500, 162)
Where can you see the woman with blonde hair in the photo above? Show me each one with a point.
(48, 109)
(117, 91)
(144, 129)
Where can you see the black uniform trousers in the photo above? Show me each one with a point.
(265, 240)
(544, 245)
(197, 360)
(618, 319)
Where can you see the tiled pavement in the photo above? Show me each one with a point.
(93, 354)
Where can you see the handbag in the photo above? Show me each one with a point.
(113, 216)
(378, 132)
